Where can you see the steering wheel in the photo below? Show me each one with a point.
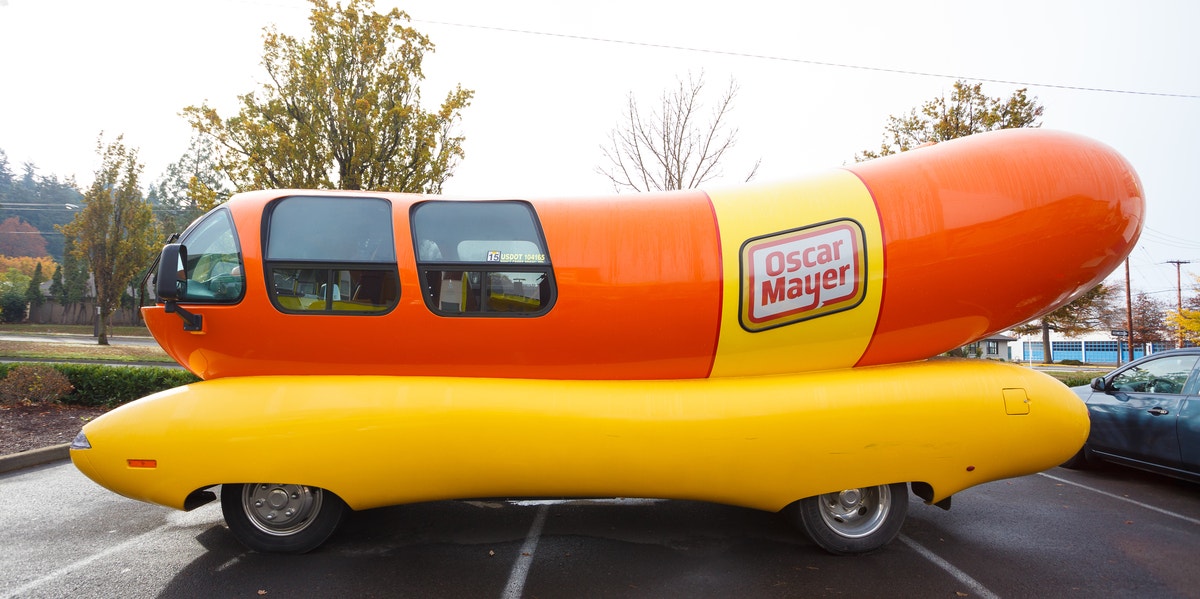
(1162, 386)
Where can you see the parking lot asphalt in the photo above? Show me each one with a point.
(86, 339)
(1110, 532)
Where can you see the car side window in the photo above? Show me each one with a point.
(1169, 375)
(482, 258)
(331, 255)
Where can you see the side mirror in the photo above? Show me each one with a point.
(171, 283)
(1099, 385)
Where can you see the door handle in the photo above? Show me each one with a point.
(1159, 411)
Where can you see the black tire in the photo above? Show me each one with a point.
(854, 521)
(279, 518)
(1081, 460)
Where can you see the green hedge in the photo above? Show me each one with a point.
(1076, 380)
(110, 386)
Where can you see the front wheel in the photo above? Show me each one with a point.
(1081, 460)
(279, 518)
(854, 521)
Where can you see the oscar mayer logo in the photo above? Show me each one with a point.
(801, 274)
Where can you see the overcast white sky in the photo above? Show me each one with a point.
(818, 81)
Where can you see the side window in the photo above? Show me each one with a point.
(1165, 375)
(482, 258)
(214, 261)
(327, 255)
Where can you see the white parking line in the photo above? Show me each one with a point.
(516, 578)
(71, 567)
(958, 575)
(1115, 496)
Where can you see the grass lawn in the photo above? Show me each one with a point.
(89, 350)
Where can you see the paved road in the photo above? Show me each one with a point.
(87, 339)
(1108, 533)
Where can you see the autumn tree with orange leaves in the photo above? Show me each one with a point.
(19, 238)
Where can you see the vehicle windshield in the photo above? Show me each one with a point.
(213, 270)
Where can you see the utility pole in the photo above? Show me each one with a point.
(1179, 296)
(1128, 310)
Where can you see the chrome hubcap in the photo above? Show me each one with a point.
(856, 513)
(279, 509)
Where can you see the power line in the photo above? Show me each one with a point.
(38, 207)
(820, 63)
(738, 54)
(1165, 238)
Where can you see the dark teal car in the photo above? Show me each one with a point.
(1146, 414)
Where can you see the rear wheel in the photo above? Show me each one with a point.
(280, 518)
(854, 521)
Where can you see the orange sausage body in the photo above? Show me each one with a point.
(1005, 228)
(957, 241)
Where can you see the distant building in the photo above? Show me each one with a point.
(994, 347)
(1099, 347)
(1093, 348)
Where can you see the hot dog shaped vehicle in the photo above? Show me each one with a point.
(763, 346)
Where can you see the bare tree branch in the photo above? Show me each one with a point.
(671, 150)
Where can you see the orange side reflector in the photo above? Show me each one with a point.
(142, 463)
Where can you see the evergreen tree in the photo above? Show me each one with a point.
(189, 187)
(33, 295)
(58, 291)
(6, 177)
(75, 281)
(53, 202)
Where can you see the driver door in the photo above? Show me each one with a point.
(1136, 416)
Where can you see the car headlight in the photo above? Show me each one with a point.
(81, 442)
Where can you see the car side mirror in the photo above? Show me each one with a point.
(171, 284)
(1098, 384)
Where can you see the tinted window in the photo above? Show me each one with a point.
(333, 289)
(1166, 375)
(331, 255)
(331, 229)
(482, 258)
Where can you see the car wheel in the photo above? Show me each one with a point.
(279, 518)
(854, 521)
(1082, 459)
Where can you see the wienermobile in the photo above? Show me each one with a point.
(769, 346)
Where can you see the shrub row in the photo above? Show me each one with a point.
(1077, 379)
(101, 385)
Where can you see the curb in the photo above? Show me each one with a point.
(34, 457)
